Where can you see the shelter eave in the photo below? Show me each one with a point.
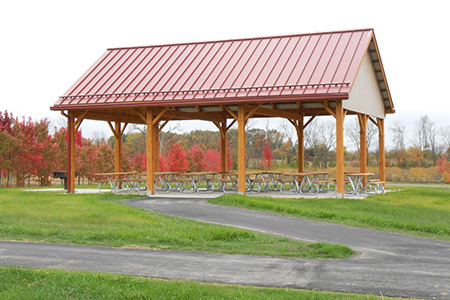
(205, 102)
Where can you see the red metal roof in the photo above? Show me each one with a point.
(319, 65)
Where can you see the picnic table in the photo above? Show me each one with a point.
(127, 180)
(304, 182)
(227, 179)
(195, 180)
(165, 180)
(262, 180)
(355, 181)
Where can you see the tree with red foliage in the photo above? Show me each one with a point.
(196, 158)
(44, 172)
(229, 157)
(266, 161)
(443, 164)
(139, 162)
(26, 151)
(105, 159)
(213, 160)
(60, 149)
(86, 154)
(177, 159)
(6, 127)
(163, 165)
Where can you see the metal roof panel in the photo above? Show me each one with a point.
(297, 65)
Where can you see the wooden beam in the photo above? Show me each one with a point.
(339, 150)
(293, 122)
(140, 115)
(123, 129)
(112, 118)
(241, 149)
(116, 135)
(218, 125)
(231, 124)
(79, 120)
(309, 121)
(204, 115)
(163, 125)
(373, 121)
(252, 112)
(159, 116)
(224, 107)
(328, 109)
(279, 113)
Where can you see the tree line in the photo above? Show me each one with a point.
(29, 151)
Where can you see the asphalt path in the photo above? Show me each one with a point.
(386, 264)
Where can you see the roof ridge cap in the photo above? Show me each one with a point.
(242, 39)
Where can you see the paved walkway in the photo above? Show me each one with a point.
(387, 264)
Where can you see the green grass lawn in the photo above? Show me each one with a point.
(17, 283)
(421, 211)
(102, 219)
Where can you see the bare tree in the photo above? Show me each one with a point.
(266, 123)
(320, 138)
(425, 140)
(321, 133)
(445, 135)
(249, 124)
(98, 137)
(399, 131)
(353, 132)
(288, 129)
(61, 122)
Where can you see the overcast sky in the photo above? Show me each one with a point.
(47, 45)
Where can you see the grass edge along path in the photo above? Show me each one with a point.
(18, 283)
(417, 211)
(103, 220)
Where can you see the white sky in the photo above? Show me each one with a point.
(47, 45)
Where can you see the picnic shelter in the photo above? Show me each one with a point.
(297, 77)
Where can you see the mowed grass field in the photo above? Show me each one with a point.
(17, 283)
(419, 211)
(102, 219)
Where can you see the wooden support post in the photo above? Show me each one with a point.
(150, 153)
(241, 149)
(157, 149)
(382, 166)
(363, 144)
(117, 147)
(71, 153)
(223, 145)
(223, 129)
(155, 145)
(301, 146)
(339, 150)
